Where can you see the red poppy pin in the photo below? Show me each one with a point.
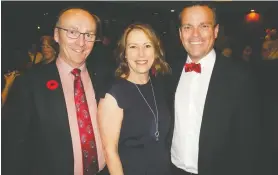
(52, 84)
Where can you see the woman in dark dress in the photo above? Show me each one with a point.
(133, 117)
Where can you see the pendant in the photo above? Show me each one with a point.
(156, 135)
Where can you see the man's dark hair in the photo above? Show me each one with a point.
(210, 5)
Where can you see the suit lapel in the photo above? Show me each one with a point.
(177, 70)
(90, 71)
(56, 97)
(55, 100)
(215, 121)
(54, 117)
(93, 77)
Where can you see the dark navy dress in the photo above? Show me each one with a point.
(139, 151)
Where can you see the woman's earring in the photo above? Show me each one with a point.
(153, 71)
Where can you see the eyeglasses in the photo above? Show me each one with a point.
(74, 34)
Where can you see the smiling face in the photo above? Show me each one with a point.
(139, 53)
(75, 51)
(198, 31)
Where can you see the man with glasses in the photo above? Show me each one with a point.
(50, 124)
(216, 130)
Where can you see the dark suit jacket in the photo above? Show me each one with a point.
(230, 131)
(36, 133)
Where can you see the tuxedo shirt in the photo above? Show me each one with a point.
(190, 99)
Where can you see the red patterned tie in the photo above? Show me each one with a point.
(86, 132)
(189, 67)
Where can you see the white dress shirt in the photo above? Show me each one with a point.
(190, 98)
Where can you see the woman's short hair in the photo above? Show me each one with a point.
(159, 65)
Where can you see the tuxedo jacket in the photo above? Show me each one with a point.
(36, 133)
(229, 141)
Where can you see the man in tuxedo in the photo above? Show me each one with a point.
(49, 122)
(216, 108)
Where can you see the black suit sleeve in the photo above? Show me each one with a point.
(17, 116)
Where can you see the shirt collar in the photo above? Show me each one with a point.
(66, 68)
(209, 58)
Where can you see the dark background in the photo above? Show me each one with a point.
(20, 21)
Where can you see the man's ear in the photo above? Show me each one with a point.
(180, 33)
(56, 35)
(216, 30)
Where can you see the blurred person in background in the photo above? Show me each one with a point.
(246, 54)
(227, 52)
(34, 55)
(49, 49)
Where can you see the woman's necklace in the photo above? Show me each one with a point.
(155, 116)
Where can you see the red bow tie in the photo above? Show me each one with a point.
(189, 67)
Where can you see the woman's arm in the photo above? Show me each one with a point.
(110, 118)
